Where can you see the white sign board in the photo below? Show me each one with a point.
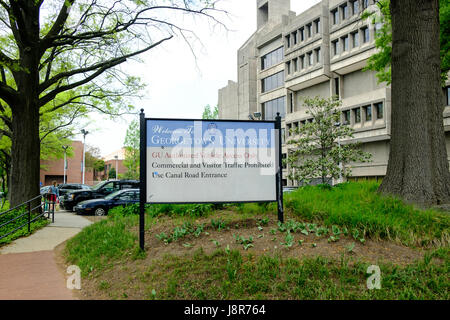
(195, 161)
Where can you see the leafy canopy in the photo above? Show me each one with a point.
(317, 147)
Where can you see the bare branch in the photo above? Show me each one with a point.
(71, 120)
(101, 69)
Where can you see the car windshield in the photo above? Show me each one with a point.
(99, 185)
(112, 195)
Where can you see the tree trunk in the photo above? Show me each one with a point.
(418, 169)
(25, 149)
(25, 154)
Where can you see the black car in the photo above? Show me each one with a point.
(100, 207)
(70, 187)
(101, 190)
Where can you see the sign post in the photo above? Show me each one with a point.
(209, 161)
(279, 170)
(142, 179)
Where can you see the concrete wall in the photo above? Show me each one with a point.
(359, 82)
(357, 88)
(247, 86)
(322, 90)
(228, 101)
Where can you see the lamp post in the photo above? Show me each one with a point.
(84, 133)
(117, 167)
(338, 124)
(65, 162)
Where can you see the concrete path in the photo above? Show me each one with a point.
(28, 268)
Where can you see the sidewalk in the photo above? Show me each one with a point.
(28, 266)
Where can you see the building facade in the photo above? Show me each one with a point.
(319, 52)
(53, 170)
(115, 160)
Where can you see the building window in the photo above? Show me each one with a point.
(335, 14)
(346, 115)
(336, 87)
(288, 41)
(291, 102)
(288, 130)
(310, 58)
(317, 24)
(295, 64)
(270, 108)
(366, 36)
(379, 109)
(344, 9)
(345, 43)
(288, 67)
(365, 4)
(272, 58)
(448, 96)
(355, 39)
(309, 32)
(302, 34)
(357, 115)
(335, 45)
(317, 55)
(302, 62)
(368, 113)
(272, 82)
(378, 26)
(294, 38)
(355, 7)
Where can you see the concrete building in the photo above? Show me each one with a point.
(319, 52)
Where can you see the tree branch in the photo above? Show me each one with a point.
(102, 67)
(72, 118)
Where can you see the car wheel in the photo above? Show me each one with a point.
(100, 211)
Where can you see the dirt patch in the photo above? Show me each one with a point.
(264, 241)
(269, 241)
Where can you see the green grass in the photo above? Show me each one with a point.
(351, 205)
(230, 275)
(35, 225)
(97, 246)
(358, 205)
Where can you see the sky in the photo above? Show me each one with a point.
(180, 85)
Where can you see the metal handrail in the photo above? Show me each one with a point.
(28, 212)
(18, 206)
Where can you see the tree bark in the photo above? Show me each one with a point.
(25, 149)
(418, 168)
(25, 154)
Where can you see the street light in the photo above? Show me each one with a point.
(84, 133)
(117, 167)
(338, 124)
(65, 162)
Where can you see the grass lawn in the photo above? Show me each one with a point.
(240, 251)
(22, 232)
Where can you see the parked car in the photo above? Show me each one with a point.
(70, 187)
(44, 190)
(289, 189)
(101, 190)
(100, 207)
